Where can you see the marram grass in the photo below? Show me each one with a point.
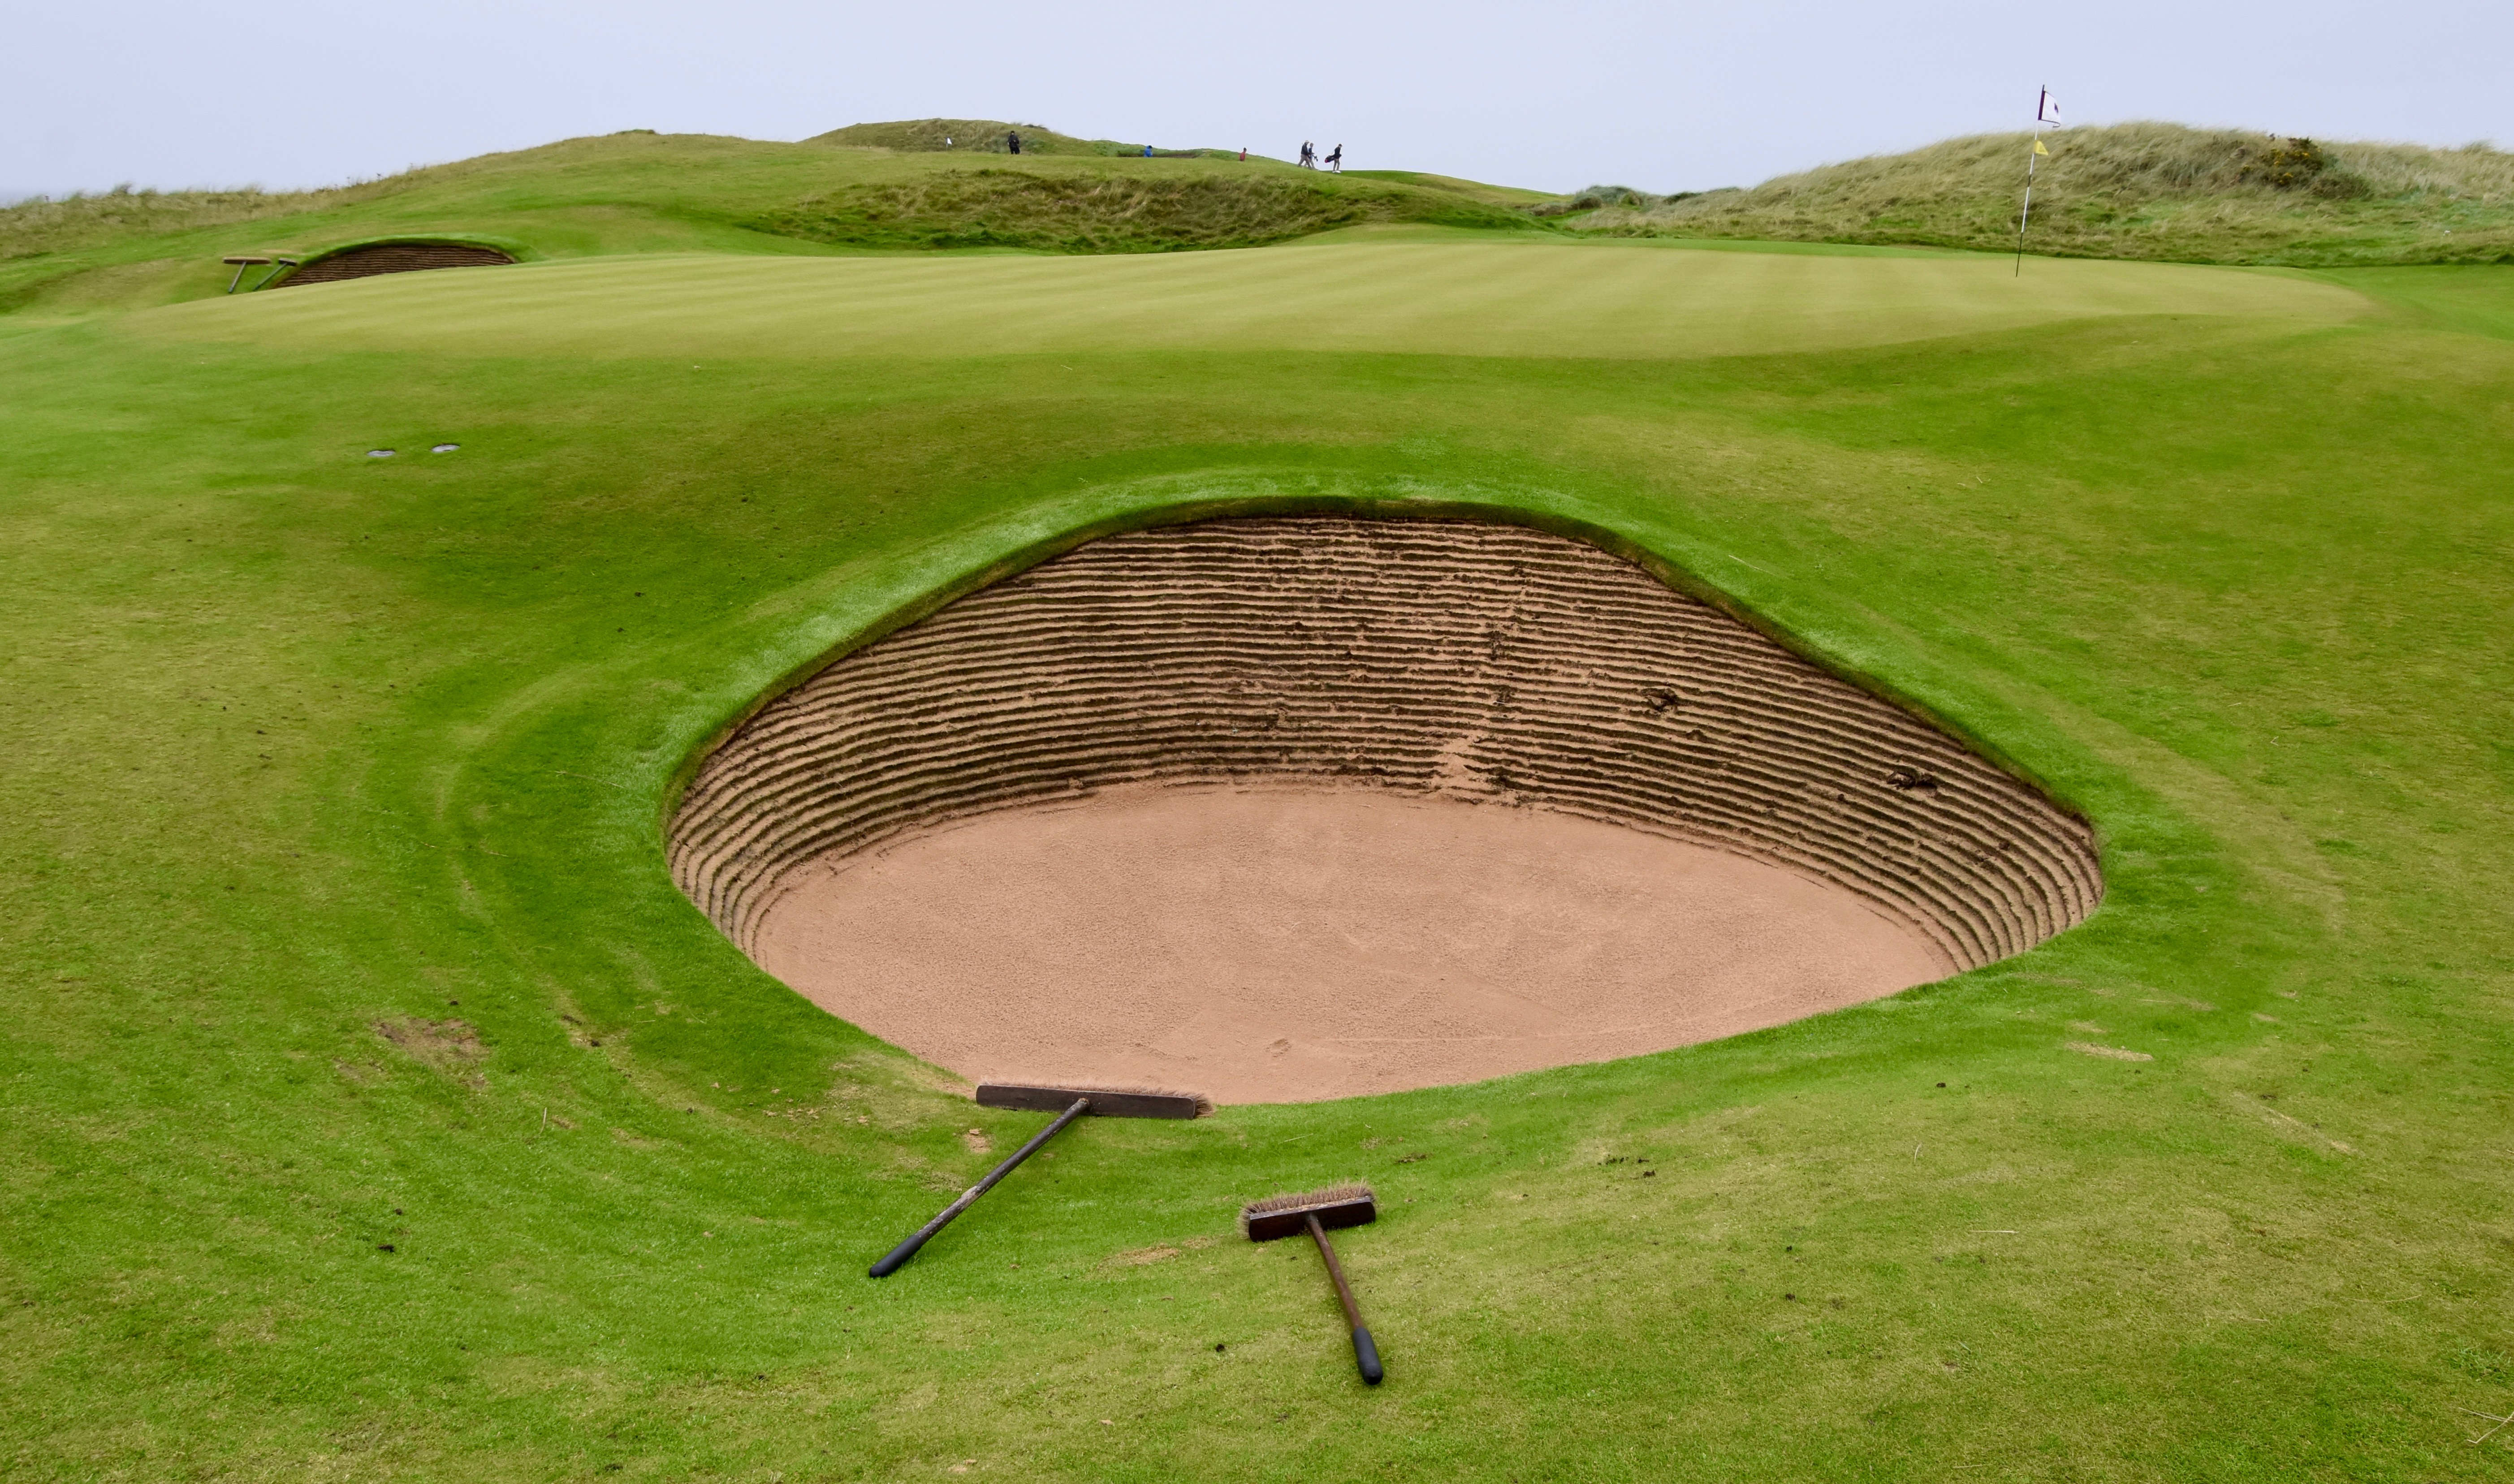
(2154, 191)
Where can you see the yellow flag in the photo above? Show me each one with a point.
(2039, 150)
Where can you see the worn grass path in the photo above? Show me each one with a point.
(298, 745)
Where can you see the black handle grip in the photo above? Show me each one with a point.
(900, 1253)
(1365, 1354)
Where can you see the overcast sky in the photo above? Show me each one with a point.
(1665, 95)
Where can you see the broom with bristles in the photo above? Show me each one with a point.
(1315, 1212)
(1067, 1104)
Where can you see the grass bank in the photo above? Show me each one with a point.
(983, 136)
(2146, 190)
(641, 192)
(1114, 213)
(372, 1106)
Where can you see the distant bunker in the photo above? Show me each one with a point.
(1296, 808)
(391, 257)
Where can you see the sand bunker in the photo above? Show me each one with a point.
(393, 257)
(1267, 945)
(1309, 807)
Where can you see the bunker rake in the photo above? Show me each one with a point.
(1315, 1212)
(1067, 1104)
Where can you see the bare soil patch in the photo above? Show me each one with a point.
(449, 1046)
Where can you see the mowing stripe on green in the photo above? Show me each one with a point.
(1503, 299)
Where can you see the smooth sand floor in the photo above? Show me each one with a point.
(1288, 946)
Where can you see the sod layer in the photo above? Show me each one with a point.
(393, 257)
(1510, 671)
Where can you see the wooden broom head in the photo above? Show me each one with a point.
(1282, 1216)
(1105, 1101)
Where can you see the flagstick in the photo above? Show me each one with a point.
(2029, 203)
(2044, 113)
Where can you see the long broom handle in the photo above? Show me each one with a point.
(900, 1253)
(1365, 1352)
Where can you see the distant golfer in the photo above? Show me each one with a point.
(1012, 141)
(1148, 152)
(1244, 155)
(1308, 155)
(1335, 161)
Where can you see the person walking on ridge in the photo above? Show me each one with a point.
(1308, 155)
(1012, 141)
(1335, 161)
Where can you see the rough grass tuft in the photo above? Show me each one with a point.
(1108, 213)
(2143, 190)
(982, 136)
(33, 227)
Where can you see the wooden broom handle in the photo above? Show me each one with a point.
(900, 1253)
(1366, 1350)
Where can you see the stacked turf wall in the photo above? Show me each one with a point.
(1489, 663)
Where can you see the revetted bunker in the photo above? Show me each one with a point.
(393, 257)
(1297, 807)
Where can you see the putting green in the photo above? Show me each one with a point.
(1623, 300)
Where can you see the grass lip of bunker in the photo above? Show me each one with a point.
(1299, 807)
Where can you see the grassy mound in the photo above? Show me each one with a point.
(983, 136)
(2129, 190)
(1493, 195)
(1111, 214)
(42, 226)
(643, 192)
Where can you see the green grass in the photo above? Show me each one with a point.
(981, 136)
(640, 192)
(2154, 191)
(1004, 206)
(2471, 300)
(2141, 191)
(300, 743)
(1543, 298)
(1497, 195)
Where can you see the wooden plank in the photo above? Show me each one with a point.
(1105, 1104)
(1292, 1220)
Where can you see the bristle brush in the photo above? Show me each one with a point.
(1316, 1212)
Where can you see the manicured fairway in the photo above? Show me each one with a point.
(1480, 298)
(306, 755)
